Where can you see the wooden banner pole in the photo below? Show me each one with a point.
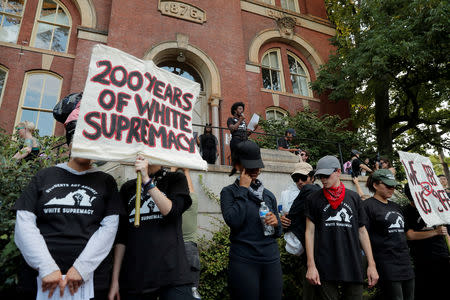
(137, 214)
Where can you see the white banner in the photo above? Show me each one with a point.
(130, 106)
(430, 198)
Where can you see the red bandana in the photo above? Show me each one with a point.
(335, 195)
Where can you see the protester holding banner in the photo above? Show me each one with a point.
(386, 229)
(151, 259)
(67, 219)
(444, 182)
(254, 270)
(335, 232)
(429, 252)
(237, 125)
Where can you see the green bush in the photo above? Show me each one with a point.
(310, 128)
(14, 176)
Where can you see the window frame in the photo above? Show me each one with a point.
(280, 71)
(12, 15)
(296, 8)
(37, 22)
(276, 109)
(2, 92)
(305, 69)
(21, 106)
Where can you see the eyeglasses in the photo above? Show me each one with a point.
(297, 177)
(302, 154)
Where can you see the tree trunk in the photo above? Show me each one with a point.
(382, 124)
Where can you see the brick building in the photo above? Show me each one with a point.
(260, 52)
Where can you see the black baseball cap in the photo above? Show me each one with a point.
(249, 154)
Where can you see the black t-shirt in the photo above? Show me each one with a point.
(69, 209)
(283, 143)
(337, 250)
(241, 132)
(356, 169)
(385, 225)
(425, 250)
(297, 211)
(155, 255)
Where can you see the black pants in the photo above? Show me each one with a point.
(234, 142)
(254, 281)
(397, 290)
(182, 292)
(331, 291)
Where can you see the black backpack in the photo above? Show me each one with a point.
(65, 106)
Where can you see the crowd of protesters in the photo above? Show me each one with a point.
(76, 230)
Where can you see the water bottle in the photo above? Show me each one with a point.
(263, 210)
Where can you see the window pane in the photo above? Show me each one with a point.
(269, 115)
(44, 36)
(273, 59)
(45, 123)
(48, 12)
(266, 78)
(29, 115)
(275, 80)
(265, 61)
(34, 89)
(9, 31)
(14, 7)
(51, 92)
(304, 86)
(60, 39)
(2, 80)
(292, 65)
(62, 17)
(295, 85)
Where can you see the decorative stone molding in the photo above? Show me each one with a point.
(286, 26)
(181, 10)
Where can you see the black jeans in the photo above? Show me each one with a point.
(397, 290)
(255, 281)
(329, 290)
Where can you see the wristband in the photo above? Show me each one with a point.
(149, 185)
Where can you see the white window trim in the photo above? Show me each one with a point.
(297, 7)
(36, 25)
(308, 77)
(21, 19)
(280, 64)
(2, 92)
(20, 107)
(276, 109)
(272, 2)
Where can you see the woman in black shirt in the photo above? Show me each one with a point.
(237, 125)
(386, 229)
(254, 269)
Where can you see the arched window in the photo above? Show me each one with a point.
(40, 92)
(183, 70)
(52, 27)
(11, 12)
(271, 70)
(299, 75)
(275, 113)
(290, 5)
(3, 77)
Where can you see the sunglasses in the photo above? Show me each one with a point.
(323, 176)
(302, 154)
(297, 177)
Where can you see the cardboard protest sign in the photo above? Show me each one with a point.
(130, 106)
(430, 198)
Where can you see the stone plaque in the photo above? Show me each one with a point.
(182, 10)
